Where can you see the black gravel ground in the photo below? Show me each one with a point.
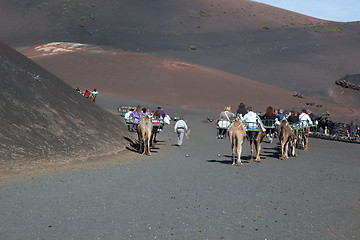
(202, 196)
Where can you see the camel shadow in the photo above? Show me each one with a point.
(226, 162)
(272, 152)
(229, 161)
(134, 146)
(159, 144)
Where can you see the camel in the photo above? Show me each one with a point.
(286, 136)
(256, 137)
(304, 138)
(144, 130)
(156, 126)
(237, 133)
(306, 132)
(92, 97)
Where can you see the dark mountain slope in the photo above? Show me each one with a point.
(44, 119)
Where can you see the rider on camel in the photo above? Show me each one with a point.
(269, 120)
(136, 115)
(281, 114)
(87, 93)
(252, 123)
(224, 118)
(293, 118)
(95, 93)
(241, 111)
(305, 119)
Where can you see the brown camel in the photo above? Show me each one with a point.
(156, 121)
(256, 138)
(92, 97)
(237, 133)
(304, 138)
(144, 130)
(286, 137)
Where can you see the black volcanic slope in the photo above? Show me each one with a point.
(44, 119)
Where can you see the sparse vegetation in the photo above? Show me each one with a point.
(45, 4)
(203, 14)
(83, 18)
(92, 32)
(265, 27)
(193, 47)
(330, 29)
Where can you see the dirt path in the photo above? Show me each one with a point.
(202, 196)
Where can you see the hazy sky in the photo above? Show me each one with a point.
(333, 10)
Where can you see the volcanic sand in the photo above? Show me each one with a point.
(170, 195)
(161, 80)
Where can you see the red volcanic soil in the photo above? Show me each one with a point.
(259, 42)
(167, 81)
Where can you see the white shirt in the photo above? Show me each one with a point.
(181, 124)
(250, 117)
(95, 93)
(305, 117)
(127, 115)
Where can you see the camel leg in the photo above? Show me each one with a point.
(239, 149)
(144, 146)
(282, 148)
(141, 144)
(148, 145)
(293, 147)
(306, 142)
(258, 147)
(251, 150)
(286, 149)
(141, 148)
(152, 139)
(233, 150)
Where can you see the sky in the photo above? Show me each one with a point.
(332, 10)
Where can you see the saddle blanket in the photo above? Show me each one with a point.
(223, 124)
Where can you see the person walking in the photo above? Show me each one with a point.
(352, 130)
(180, 128)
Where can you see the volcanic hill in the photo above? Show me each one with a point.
(43, 119)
